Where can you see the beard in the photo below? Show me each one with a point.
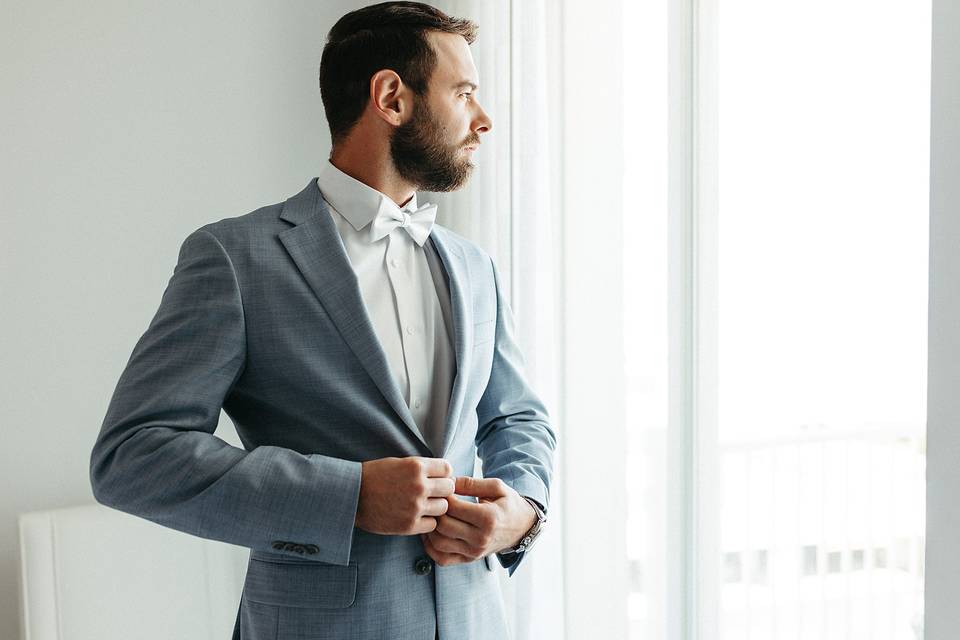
(422, 156)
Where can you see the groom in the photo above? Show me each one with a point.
(365, 355)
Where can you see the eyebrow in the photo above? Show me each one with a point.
(466, 83)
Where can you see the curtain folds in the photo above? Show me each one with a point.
(512, 208)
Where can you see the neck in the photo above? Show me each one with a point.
(373, 169)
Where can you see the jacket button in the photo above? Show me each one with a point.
(423, 566)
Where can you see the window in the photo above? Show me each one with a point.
(804, 376)
(822, 225)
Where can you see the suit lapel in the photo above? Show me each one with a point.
(318, 252)
(458, 281)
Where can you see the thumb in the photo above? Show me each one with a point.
(479, 487)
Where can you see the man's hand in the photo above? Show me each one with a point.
(403, 496)
(470, 530)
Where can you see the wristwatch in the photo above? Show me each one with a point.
(530, 536)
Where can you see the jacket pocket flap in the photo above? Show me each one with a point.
(301, 584)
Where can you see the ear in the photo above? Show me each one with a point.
(390, 99)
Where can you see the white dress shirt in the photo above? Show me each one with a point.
(405, 293)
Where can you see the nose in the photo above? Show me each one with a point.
(482, 122)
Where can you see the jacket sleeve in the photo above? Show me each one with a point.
(157, 457)
(515, 441)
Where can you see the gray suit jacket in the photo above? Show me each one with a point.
(264, 318)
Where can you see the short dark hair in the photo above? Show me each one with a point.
(388, 35)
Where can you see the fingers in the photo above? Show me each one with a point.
(440, 557)
(477, 514)
(481, 487)
(436, 467)
(435, 507)
(440, 487)
(425, 524)
(455, 528)
(453, 545)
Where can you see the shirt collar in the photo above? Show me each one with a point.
(354, 200)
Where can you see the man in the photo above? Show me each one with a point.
(366, 357)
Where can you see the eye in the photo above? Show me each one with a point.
(466, 93)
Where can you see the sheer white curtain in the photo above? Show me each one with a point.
(512, 209)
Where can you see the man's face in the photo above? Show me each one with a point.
(430, 150)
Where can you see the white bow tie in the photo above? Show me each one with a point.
(417, 223)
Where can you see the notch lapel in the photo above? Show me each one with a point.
(318, 253)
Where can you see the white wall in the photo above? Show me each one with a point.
(942, 618)
(125, 125)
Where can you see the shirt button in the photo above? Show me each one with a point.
(410, 329)
(417, 404)
(423, 566)
(394, 262)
